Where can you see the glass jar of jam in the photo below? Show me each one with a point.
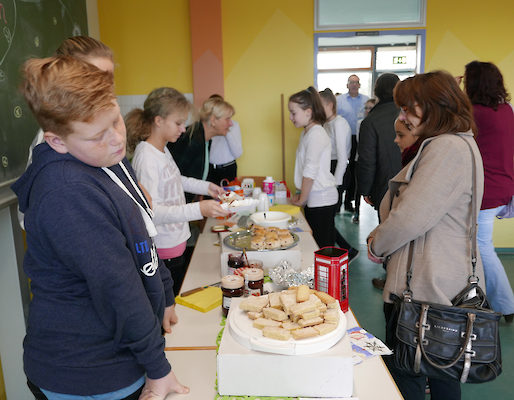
(235, 261)
(231, 286)
(254, 281)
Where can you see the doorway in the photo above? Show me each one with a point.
(338, 55)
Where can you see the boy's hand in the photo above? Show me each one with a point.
(170, 318)
(158, 389)
(215, 191)
(211, 208)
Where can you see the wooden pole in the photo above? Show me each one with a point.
(283, 133)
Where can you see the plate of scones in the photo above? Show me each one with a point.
(259, 238)
(295, 321)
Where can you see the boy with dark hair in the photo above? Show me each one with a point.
(99, 292)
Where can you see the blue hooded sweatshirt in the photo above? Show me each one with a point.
(95, 318)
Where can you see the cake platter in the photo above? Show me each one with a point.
(241, 240)
(242, 330)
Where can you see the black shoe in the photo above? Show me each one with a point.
(509, 318)
(355, 218)
(378, 283)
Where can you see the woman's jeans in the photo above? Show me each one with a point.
(499, 291)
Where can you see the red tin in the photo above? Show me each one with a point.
(331, 273)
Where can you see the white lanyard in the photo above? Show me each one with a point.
(146, 213)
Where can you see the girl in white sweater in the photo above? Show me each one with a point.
(149, 130)
(318, 193)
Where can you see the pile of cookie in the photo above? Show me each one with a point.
(269, 238)
(297, 313)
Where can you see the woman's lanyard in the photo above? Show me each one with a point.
(147, 213)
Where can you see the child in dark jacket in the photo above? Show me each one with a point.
(100, 293)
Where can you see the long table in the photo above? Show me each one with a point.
(191, 347)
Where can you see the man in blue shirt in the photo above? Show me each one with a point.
(351, 107)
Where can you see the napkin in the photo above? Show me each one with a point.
(204, 300)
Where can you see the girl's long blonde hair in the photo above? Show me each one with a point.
(160, 102)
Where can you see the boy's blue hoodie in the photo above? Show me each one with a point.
(95, 318)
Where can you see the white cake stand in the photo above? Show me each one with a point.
(242, 330)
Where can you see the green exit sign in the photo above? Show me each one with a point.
(399, 59)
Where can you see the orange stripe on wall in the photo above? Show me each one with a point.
(206, 49)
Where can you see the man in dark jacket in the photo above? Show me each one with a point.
(379, 157)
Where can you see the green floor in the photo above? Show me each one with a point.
(366, 302)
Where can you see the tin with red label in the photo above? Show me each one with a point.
(331, 273)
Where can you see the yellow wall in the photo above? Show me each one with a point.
(268, 51)
(462, 31)
(151, 43)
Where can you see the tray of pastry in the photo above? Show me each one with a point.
(276, 323)
(270, 239)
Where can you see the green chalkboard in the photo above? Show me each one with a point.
(28, 28)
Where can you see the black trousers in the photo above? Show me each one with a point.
(333, 166)
(321, 221)
(350, 176)
(39, 395)
(413, 386)
(178, 268)
(220, 173)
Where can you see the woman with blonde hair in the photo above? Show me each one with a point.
(191, 150)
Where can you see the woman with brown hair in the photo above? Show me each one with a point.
(315, 185)
(427, 212)
(493, 114)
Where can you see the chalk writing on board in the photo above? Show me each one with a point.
(6, 31)
(2, 13)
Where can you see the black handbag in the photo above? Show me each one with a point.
(458, 342)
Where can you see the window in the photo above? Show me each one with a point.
(340, 55)
(372, 14)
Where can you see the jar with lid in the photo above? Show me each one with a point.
(231, 286)
(254, 282)
(235, 261)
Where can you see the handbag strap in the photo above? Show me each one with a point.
(407, 294)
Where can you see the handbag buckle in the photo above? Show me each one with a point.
(407, 296)
(472, 353)
(473, 336)
(424, 342)
(425, 326)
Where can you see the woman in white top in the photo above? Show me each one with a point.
(318, 193)
(224, 152)
(149, 130)
(340, 135)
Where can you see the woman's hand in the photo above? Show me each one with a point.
(158, 389)
(297, 201)
(367, 199)
(170, 317)
(371, 256)
(215, 191)
(211, 208)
